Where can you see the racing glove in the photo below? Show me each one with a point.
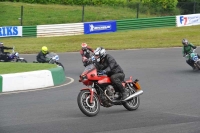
(103, 72)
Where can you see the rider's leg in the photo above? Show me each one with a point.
(117, 80)
(5, 57)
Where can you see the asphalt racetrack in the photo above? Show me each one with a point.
(170, 102)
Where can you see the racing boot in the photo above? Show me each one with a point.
(125, 94)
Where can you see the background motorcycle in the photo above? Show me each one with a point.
(52, 58)
(102, 92)
(193, 56)
(87, 61)
(14, 57)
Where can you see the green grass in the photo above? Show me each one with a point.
(131, 39)
(38, 14)
(8, 67)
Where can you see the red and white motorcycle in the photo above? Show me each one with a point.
(100, 91)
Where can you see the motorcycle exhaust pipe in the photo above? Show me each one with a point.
(140, 92)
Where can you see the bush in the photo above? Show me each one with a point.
(165, 5)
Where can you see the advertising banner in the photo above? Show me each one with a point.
(99, 27)
(10, 31)
(188, 20)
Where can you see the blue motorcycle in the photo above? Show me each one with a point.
(193, 56)
(14, 57)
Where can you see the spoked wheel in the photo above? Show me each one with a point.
(87, 108)
(198, 65)
(60, 64)
(133, 103)
(21, 60)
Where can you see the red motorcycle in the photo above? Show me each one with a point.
(102, 92)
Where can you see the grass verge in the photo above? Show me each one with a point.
(9, 67)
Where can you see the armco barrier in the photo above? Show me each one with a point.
(29, 31)
(141, 23)
(32, 80)
(96, 27)
(60, 30)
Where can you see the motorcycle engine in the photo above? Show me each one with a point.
(110, 91)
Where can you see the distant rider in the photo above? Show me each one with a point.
(85, 52)
(108, 65)
(4, 55)
(41, 57)
(187, 50)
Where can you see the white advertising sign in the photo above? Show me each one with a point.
(10, 31)
(187, 20)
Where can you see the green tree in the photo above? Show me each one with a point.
(164, 4)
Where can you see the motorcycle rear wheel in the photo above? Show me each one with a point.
(133, 103)
(198, 65)
(21, 60)
(84, 104)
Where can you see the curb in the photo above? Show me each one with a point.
(32, 80)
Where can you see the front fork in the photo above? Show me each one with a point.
(91, 93)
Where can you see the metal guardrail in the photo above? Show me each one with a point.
(146, 23)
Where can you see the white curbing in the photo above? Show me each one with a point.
(27, 80)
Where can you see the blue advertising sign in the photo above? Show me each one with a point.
(99, 27)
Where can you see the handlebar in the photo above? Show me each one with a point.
(194, 50)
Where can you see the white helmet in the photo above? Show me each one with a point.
(100, 53)
(84, 46)
(185, 42)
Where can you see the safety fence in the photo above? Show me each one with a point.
(146, 23)
(98, 27)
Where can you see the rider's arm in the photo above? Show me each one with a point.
(194, 47)
(111, 63)
(81, 52)
(183, 51)
(7, 47)
(90, 49)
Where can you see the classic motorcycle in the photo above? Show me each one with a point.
(87, 61)
(193, 56)
(14, 57)
(52, 58)
(103, 93)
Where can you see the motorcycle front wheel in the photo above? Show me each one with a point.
(60, 64)
(87, 108)
(133, 103)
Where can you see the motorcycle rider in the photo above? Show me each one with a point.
(108, 65)
(41, 57)
(4, 55)
(188, 49)
(85, 52)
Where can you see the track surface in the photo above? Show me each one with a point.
(170, 103)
